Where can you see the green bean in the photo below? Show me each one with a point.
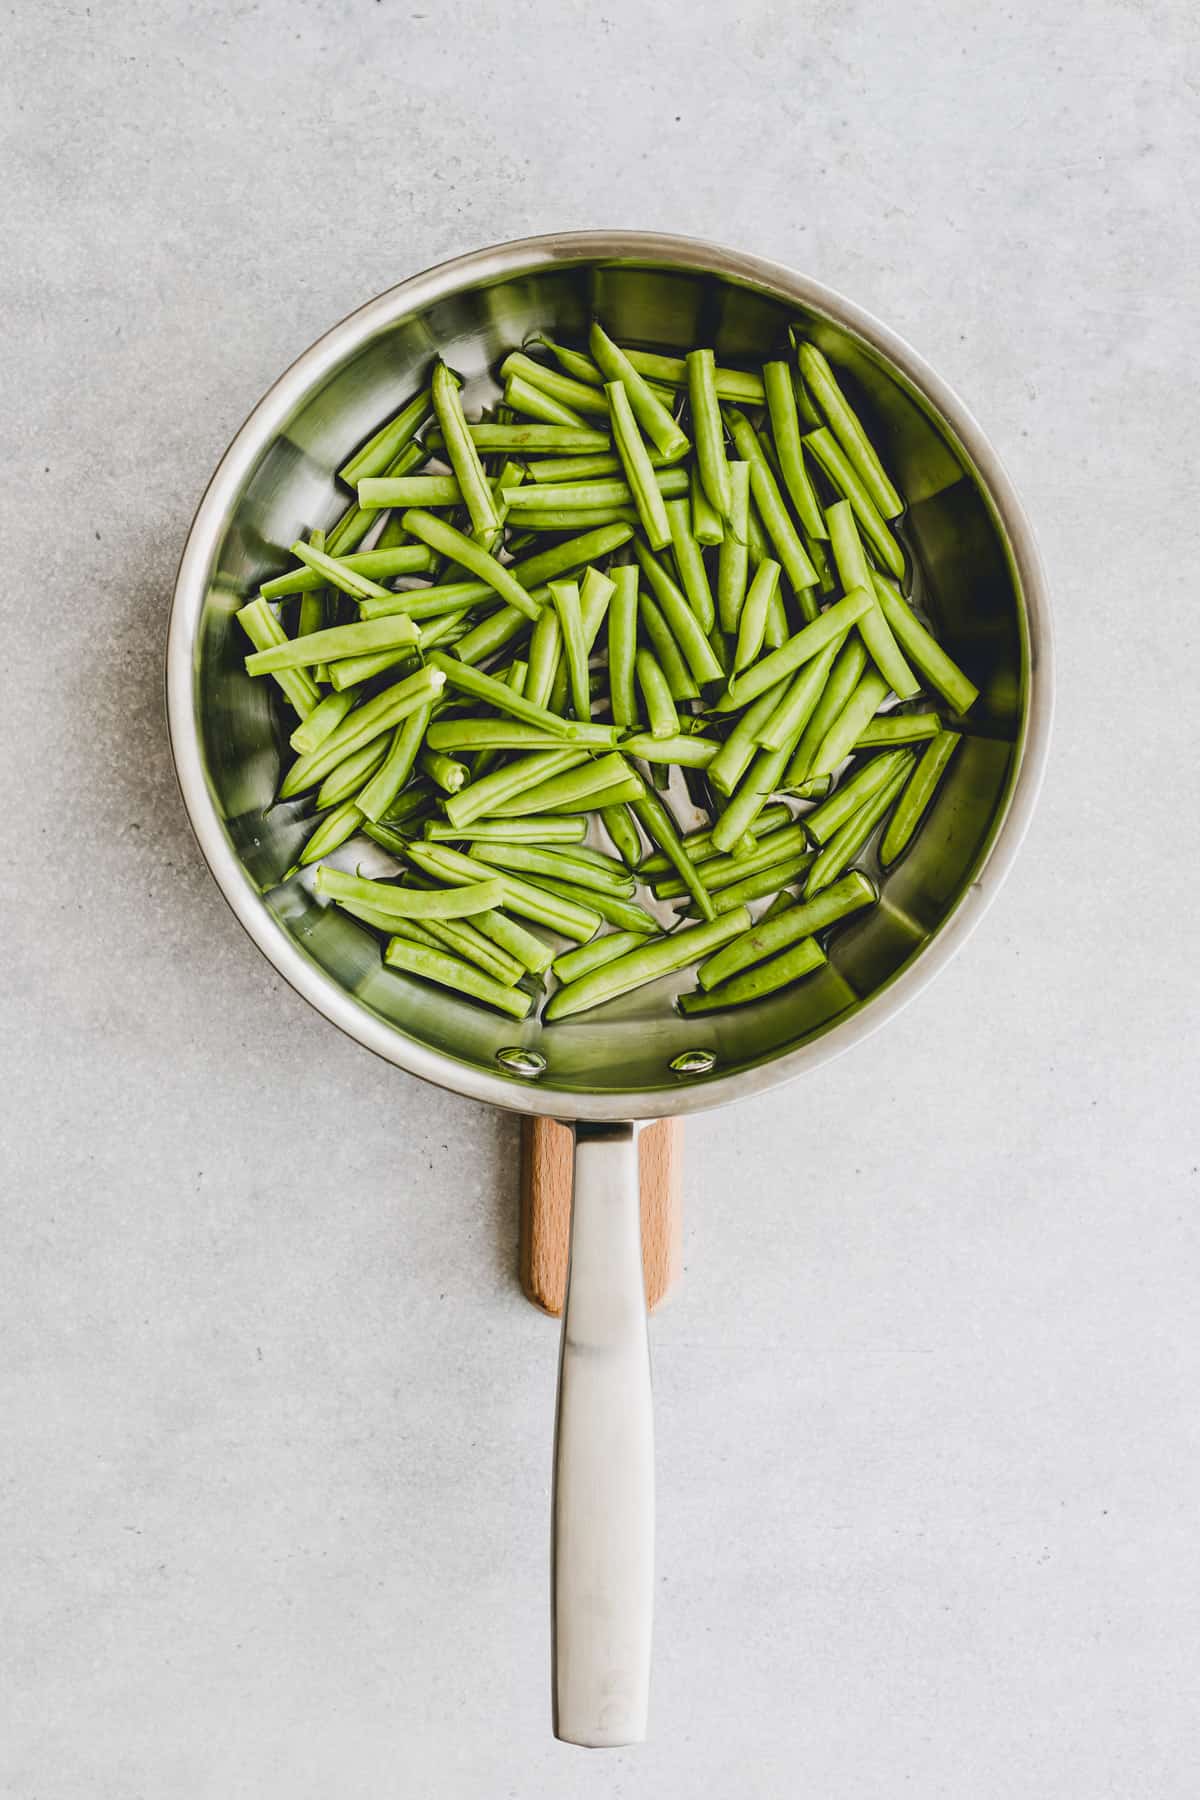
(670, 656)
(352, 671)
(689, 561)
(337, 572)
(625, 915)
(384, 786)
(462, 939)
(888, 729)
(639, 471)
(567, 917)
(723, 871)
(939, 669)
(620, 826)
(595, 593)
(655, 420)
(736, 754)
(764, 881)
(794, 920)
(388, 441)
(495, 790)
(683, 751)
(762, 779)
(808, 642)
(618, 793)
(840, 739)
(310, 616)
(354, 524)
(443, 771)
(453, 972)
(409, 490)
(564, 787)
(344, 782)
(579, 396)
(818, 555)
(757, 547)
(798, 702)
(873, 626)
(509, 831)
(549, 471)
(706, 523)
(574, 964)
(556, 497)
(410, 903)
(503, 627)
(709, 430)
(754, 984)
(496, 693)
(338, 824)
(699, 844)
(843, 679)
(789, 547)
(847, 428)
(572, 362)
(753, 621)
(265, 632)
(660, 708)
(733, 562)
(656, 821)
(622, 644)
(316, 727)
(393, 633)
(428, 602)
(917, 794)
(511, 734)
(531, 859)
(545, 651)
(381, 921)
(847, 843)
(359, 727)
(785, 429)
(816, 789)
(684, 625)
(828, 452)
(523, 397)
(531, 951)
(376, 565)
(416, 800)
(568, 518)
(846, 799)
(662, 956)
(570, 442)
(732, 384)
(565, 595)
(442, 536)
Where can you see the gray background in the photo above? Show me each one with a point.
(273, 1495)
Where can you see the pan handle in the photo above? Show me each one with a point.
(602, 1551)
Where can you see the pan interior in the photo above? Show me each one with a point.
(964, 576)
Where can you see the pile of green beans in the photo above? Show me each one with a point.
(639, 583)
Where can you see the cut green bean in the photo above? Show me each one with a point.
(824, 447)
(660, 708)
(754, 984)
(443, 771)
(916, 796)
(344, 782)
(467, 734)
(388, 441)
(556, 497)
(620, 826)
(376, 565)
(785, 429)
(461, 938)
(563, 559)
(483, 798)
(939, 669)
(618, 793)
(822, 384)
(794, 920)
(453, 972)
(316, 727)
(625, 915)
(849, 795)
(569, 441)
(662, 956)
(847, 843)
(689, 562)
(670, 656)
(683, 751)
(842, 735)
(572, 965)
(732, 384)
(764, 881)
(568, 518)
(498, 694)
(565, 787)
(876, 633)
(709, 430)
(360, 726)
(352, 671)
(685, 627)
(699, 844)
(523, 397)
(622, 644)
(446, 538)
(888, 729)
(311, 613)
(338, 825)
(579, 396)
(761, 780)
(572, 362)
(501, 628)
(338, 573)
(706, 523)
(509, 831)
(429, 602)
(787, 542)
(652, 416)
(532, 859)
(753, 621)
(384, 786)
(265, 633)
(656, 821)
(733, 561)
(729, 765)
(808, 642)
(531, 951)
(844, 677)
(799, 700)
(639, 471)
(392, 633)
(565, 595)
(408, 902)
(551, 471)
(567, 917)
(723, 871)
(409, 490)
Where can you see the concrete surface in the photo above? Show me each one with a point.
(276, 1421)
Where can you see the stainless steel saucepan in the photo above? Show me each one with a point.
(636, 1058)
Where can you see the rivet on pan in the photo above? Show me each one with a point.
(521, 1062)
(693, 1062)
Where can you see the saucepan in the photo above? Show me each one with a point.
(635, 1059)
